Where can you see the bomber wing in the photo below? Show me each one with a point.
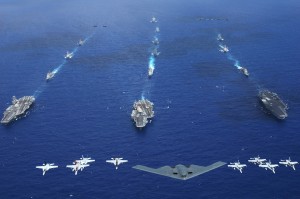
(198, 170)
(193, 170)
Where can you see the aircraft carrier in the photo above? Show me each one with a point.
(18, 107)
(273, 103)
(142, 111)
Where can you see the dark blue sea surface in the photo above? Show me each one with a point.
(205, 109)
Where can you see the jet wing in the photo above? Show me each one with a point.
(263, 166)
(71, 166)
(53, 167)
(122, 161)
(40, 167)
(198, 170)
(111, 161)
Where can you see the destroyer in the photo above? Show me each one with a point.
(68, 55)
(273, 103)
(50, 75)
(142, 111)
(18, 108)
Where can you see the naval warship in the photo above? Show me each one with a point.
(273, 103)
(18, 108)
(142, 111)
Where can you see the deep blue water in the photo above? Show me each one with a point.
(205, 109)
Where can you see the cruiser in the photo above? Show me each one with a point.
(68, 55)
(50, 75)
(142, 111)
(244, 71)
(18, 108)
(273, 103)
(150, 71)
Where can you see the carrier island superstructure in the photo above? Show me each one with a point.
(18, 108)
(142, 111)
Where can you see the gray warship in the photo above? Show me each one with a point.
(142, 111)
(273, 103)
(18, 108)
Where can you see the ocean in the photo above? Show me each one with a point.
(206, 110)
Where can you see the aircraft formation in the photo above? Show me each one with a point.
(263, 163)
(80, 164)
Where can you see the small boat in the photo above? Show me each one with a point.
(220, 38)
(153, 20)
(50, 75)
(155, 53)
(155, 41)
(81, 42)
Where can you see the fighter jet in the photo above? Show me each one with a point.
(257, 160)
(180, 171)
(157, 29)
(69, 55)
(84, 160)
(237, 165)
(76, 166)
(288, 163)
(116, 161)
(223, 49)
(269, 165)
(153, 20)
(47, 167)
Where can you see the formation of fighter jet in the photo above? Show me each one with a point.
(47, 167)
(84, 160)
(68, 55)
(257, 160)
(269, 165)
(116, 161)
(237, 165)
(76, 166)
(288, 162)
(50, 75)
(80, 164)
(180, 171)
